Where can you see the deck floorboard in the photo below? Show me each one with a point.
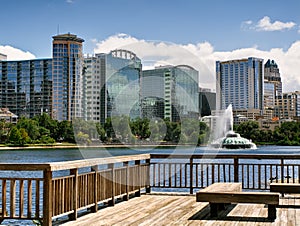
(168, 210)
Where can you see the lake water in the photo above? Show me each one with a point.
(55, 155)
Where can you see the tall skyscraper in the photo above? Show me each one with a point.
(240, 83)
(112, 85)
(26, 86)
(67, 77)
(170, 92)
(272, 89)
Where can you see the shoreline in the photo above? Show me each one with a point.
(75, 146)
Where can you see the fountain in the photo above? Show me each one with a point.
(223, 135)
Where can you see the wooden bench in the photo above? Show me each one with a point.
(285, 188)
(220, 195)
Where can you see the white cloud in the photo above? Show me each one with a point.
(246, 24)
(265, 24)
(16, 54)
(202, 57)
(70, 1)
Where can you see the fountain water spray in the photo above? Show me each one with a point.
(223, 136)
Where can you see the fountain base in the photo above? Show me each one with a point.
(233, 140)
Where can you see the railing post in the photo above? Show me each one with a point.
(282, 170)
(47, 198)
(95, 208)
(236, 169)
(148, 188)
(74, 172)
(126, 196)
(138, 193)
(113, 182)
(191, 175)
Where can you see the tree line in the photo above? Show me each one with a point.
(287, 133)
(42, 129)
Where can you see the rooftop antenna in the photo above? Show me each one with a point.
(57, 29)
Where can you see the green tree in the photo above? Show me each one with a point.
(65, 132)
(15, 137)
(31, 127)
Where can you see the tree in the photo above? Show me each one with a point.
(31, 127)
(15, 137)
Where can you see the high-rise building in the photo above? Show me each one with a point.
(67, 77)
(170, 92)
(272, 88)
(288, 106)
(91, 88)
(240, 83)
(26, 86)
(112, 85)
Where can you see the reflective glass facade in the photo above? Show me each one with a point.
(67, 77)
(174, 86)
(240, 83)
(26, 86)
(112, 85)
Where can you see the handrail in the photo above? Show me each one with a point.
(55, 166)
(54, 195)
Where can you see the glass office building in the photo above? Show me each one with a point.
(67, 77)
(26, 86)
(240, 83)
(170, 92)
(112, 85)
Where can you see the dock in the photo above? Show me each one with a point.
(123, 190)
(166, 209)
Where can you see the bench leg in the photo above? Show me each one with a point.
(213, 209)
(271, 212)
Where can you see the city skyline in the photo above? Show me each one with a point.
(210, 31)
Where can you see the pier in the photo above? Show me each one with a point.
(128, 189)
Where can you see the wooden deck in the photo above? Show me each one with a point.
(160, 209)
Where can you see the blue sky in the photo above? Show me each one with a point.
(226, 26)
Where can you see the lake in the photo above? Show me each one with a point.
(67, 154)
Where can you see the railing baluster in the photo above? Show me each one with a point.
(3, 197)
(12, 197)
(21, 198)
(29, 198)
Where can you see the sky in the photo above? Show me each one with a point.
(193, 32)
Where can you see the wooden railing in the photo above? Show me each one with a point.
(190, 172)
(64, 188)
(52, 190)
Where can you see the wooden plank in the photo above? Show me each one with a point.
(12, 198)
(177, 210)
(29, 198)
(37, 198)
(96, 161)
(3, 198)
(223, 187)
(47, 196)
(238, 197)
(21, 198)
(285, 187)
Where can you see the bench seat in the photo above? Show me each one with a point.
(285, 188)
(218, 199)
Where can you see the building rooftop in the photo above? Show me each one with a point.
(67, 37)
